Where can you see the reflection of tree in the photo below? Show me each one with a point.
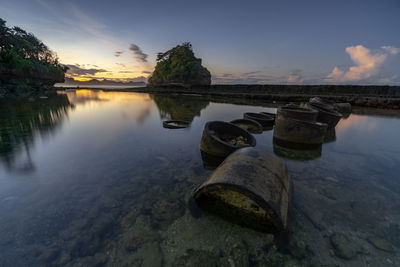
(21, 120)
(179, 107)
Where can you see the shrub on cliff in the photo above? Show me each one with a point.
(24, 57)
(179, 66)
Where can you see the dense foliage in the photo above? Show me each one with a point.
(179, 66)
(23, 56)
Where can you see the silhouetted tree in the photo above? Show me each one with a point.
(22, 55)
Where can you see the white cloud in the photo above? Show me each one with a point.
(294, 78)
(367, 65)
(336, 74)
(391, 49)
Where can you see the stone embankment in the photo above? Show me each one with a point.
(387, 97)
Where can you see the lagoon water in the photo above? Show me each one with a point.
(91, 178)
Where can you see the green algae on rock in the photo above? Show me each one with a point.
(299, 131)
(296, 151)
(179, 66)
(298, 113)
(251, 188)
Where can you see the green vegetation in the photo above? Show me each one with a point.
(25, 61)
(179, 66)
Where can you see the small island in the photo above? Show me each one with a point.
(27, 65)
(179, 67)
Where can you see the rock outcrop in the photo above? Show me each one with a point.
(179, 67)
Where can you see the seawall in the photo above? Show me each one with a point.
(367, 96)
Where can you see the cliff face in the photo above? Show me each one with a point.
(179, 66)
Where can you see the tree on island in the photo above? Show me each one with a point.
(26, 61)
(179, 66)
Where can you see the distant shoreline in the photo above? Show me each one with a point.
(387, 97)
(96, 87)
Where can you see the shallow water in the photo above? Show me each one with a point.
(92, 178)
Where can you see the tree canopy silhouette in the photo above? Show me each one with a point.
(24, 57)
(179, 66)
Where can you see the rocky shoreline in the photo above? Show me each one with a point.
(383, 97)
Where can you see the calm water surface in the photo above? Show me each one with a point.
(91, 178)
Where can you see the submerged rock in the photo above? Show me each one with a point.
(48, 255)
(97, 260)
(380, 243)
(149, 254)
(166, 211)
(343, 247)
(238, 255)
(198, 258)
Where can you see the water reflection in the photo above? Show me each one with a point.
(21, 121)
(296, 151)
(112, 187)
(82, 96)
(183, 108)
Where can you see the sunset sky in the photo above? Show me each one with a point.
(277, 42)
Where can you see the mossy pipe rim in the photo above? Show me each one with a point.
(296, 151)
(266, 205)
(257, 127)
(323, 103)
(294, 145)
(297, 155)
(273, 115)
(299, 113)
(300, 131)
(331, 117)
(263, 119)
(169, 124)
(246, 134)
(213, 145)
(344, 108)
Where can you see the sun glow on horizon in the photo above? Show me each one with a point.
(87, 72)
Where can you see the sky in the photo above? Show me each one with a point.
(250, 42)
